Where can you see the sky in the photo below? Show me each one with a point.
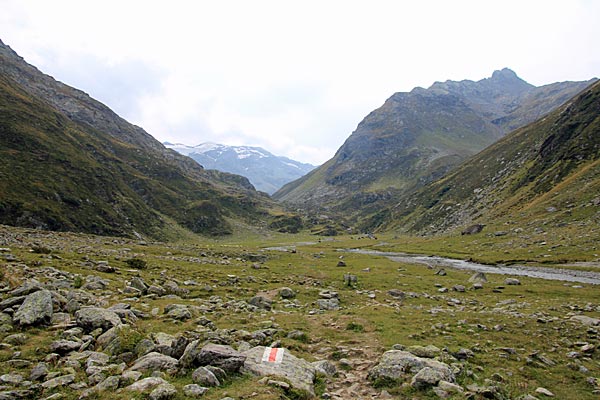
(294, 77)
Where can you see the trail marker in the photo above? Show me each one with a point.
(273, 355)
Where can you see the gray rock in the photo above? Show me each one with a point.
(204, 377)
(221, 356)
(64, 346)
(297, 335)
(128, 377)
(39, 372)
(180, 312)
(300, 373)
(428, 351)
(27, 288)
(512, 281)
(261, 302)
(35, 310)
(544, 392)
(328, 304)
(11, 379)
(146, 384)
(585, 320)
(59, 381)
(397, 294)
(12, 301)
(16, 394)
(109, 384)
(324, 367)
(287, 293)
(473, 229)
(16, 339)
(139, 284)
(194, 390)
(426, 378)
(164, 391)
(157, 290)
(478, 277)
(399, 365)
(5, 322)
(154, 362)
(91, 318)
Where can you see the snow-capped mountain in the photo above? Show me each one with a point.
(266, 171)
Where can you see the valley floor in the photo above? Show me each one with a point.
(352, 325)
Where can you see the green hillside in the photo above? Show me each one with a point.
(546, 173)
(67, 162)
(416, 138)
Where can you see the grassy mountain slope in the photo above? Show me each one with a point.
(545, 173)
(416, 138)
(69, 163)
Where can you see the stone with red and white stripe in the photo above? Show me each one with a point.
(279, 362)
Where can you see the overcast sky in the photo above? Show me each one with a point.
(295, 77)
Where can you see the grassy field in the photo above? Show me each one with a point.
(520, 335)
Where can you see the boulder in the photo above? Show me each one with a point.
(164, 391)
(146, 384)
(220, 356)
(287, 293)
(27, 288)
(426, 378)
(92, 318)
(36, 309)
(179, 312)
(478, 277)
(261, 302)
(512, 281)
(193, 391)
(473, 229)
(585, 320)
(428, 351)
(324, 367)
(59, 381)
(300, 373)
(64, 346)
(398, 366)
(198, 355)
(154, 362)
(328, 304)
(204, 377)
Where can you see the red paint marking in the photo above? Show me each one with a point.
(273, 354)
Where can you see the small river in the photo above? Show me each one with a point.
(556, 274)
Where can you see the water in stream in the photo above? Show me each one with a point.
(558, 274)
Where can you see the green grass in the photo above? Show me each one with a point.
(529, 318)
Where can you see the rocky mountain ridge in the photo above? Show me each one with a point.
(69, 163)
(417, 137)
(545, 172)
(266, 171)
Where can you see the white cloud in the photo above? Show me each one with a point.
(293, 77)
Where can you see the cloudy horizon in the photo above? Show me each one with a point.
(293, 78)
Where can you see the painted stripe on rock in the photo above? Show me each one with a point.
(273, 355)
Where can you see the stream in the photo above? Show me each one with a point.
(556, 274)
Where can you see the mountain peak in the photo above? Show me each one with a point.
(265, 171)
(505, 74)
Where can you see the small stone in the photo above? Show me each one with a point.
(204, 377)
(39, 372)
(194, 390)
(512, 281)
(164, 391)
(544, 391)
(287, 293)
